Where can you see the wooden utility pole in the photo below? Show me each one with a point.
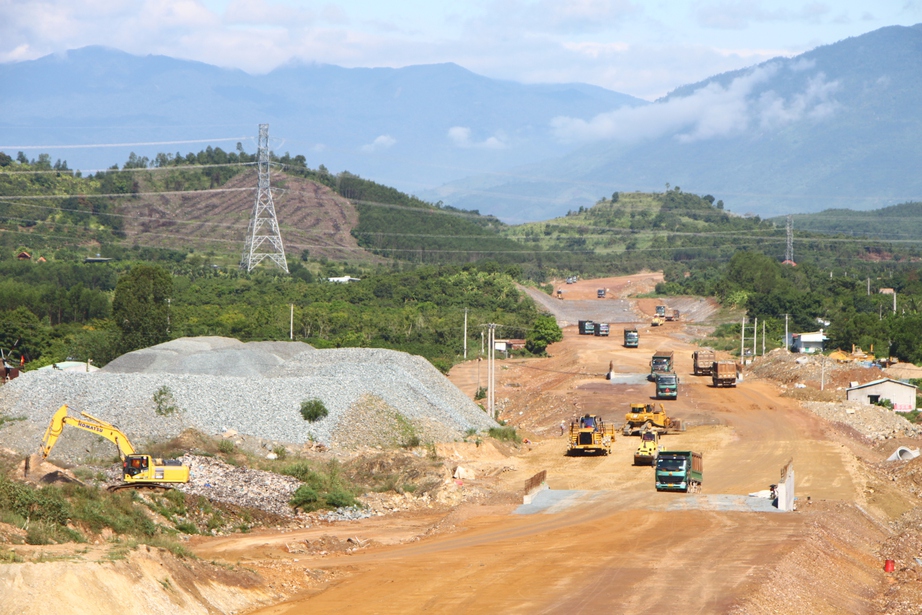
(465, 334)
(755, 335)
(743, 341)
(291, 323)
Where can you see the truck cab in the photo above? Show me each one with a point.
(667, 386)
(631, 338)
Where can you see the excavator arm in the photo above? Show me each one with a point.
(87, 423)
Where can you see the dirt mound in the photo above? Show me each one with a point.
(810, 370)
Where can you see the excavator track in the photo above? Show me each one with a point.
(139, 487)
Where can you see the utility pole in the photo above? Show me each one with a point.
(491, 376)
(743, 341)
(263, 216)
(291, 323)
(763, 338)
(869, 286)
(465, 334)
(894, 301)
(823, 375)
(787, 345)
(755, 336)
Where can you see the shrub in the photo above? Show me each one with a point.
(164, 404)
(313, 410)
(505, 434)
(226, 446)
(481, 393)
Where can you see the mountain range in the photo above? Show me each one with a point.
(837, 126)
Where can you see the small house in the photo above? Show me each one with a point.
(344, 279)
(901, 394)
(808, 342)
(24, 256)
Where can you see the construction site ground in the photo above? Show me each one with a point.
(601, 539)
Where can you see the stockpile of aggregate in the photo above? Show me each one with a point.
(255, 389)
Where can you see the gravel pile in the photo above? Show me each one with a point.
(392, 391)
(873, 422)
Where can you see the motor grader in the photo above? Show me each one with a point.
(590, 434)
(138, 469)
(649, 417)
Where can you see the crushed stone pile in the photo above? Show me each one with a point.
(791, 368)
(874, 422)
(255, 389)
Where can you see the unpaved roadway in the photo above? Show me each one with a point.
(605, 541)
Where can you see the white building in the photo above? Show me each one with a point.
(901, 394)
(808, 342)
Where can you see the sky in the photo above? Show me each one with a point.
(641, 48)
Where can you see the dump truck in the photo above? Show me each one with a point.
(703, 361)
(659, 317)
(631, 337)
(679, 471)
(648, 450)
(138, 469)
(586, 327)
(590, 434)
(667, 386)
(600, 293)
(648, 417)
(661, 363)
(723, 374)
(602, 329)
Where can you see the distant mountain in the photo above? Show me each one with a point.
(896, 223)
(412, 128)
(838, 126)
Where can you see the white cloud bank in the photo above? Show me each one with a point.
(461, 137)
(712, 111)
(380, 143)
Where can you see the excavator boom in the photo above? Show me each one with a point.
(138, 469)
(87, 423)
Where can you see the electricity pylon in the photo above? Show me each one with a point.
(264, 226)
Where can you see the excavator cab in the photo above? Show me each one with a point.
(136, 464)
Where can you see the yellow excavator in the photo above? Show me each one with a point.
(137, 469)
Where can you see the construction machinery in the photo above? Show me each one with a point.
(138, 469)
(602, 329)
(631, 337)
(649, 417)
(661, 363)
(724, 373)
(648, 450)
(667, 386)
(679, 471)
(600, 293)
(659, 317)
(703, 361)
(590, 434)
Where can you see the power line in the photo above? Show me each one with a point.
(137, 144)
(181, 167)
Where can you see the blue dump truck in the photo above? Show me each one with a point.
(679, 471)
(667, 386)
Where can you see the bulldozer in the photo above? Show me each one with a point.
(649, 417)
(648, 450)
(138, 469)
(590, 434)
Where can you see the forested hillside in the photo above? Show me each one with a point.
(896, 223)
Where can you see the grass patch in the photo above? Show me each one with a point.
(506, 433)
(10, 419)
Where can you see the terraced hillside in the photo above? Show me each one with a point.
(311, 217)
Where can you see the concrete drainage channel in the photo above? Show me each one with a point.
(551, 501)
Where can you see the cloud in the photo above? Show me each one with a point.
(461, 137)
(712, 111)
(738, 15)
(380, 143)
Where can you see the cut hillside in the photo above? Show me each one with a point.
(255, 389)
(311, 217)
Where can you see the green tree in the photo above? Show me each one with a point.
(140, 308)
(545, 331)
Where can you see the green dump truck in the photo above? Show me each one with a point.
(679, 471)
(667, 386)
(631, 337)
(661, 363)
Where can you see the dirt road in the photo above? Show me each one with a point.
(604, 541)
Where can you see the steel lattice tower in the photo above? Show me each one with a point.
(264, 226)
(789, 253)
